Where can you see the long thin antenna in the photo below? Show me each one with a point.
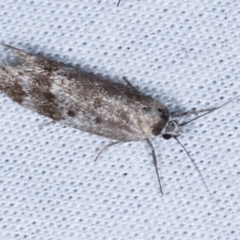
(195, 165)
(211, 110)
(155, 163)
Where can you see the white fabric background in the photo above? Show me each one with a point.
(185, 54)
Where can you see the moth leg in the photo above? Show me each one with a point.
(182, 114)
(47, 123)
(8, 46)
(155, 163)
(129, 84)
(118, 3)
(107, 146)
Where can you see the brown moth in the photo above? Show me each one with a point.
(89, 103)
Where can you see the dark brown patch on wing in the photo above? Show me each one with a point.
(48, 65)
(49, 96)
(98, 120)
(71, 113)
(14, 91)
(42, 84)
(45, 101)
(51, 111)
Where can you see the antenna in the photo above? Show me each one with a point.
(195, 165)
(210, 110)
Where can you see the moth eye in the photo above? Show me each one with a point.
(167, 136)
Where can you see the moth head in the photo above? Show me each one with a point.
(172, 129)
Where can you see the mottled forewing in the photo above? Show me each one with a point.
(79, 99)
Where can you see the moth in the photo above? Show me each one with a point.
(90, 103)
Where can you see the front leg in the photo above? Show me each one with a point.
(129, 84)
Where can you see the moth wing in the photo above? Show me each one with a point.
(79, 99)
